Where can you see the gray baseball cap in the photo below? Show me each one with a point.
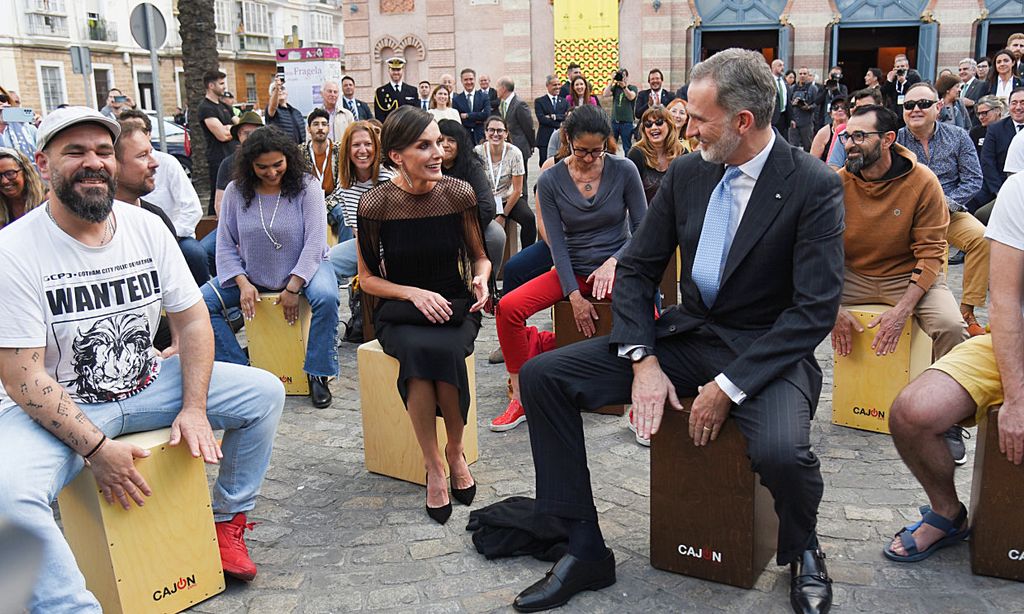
(59, 120)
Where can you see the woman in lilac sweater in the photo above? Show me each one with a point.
(272, 237)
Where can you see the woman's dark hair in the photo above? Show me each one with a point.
(877, 72)
(402, 128)
(587, 119)
(945, 83)
(495, 118)
(266, 140)
(464, 157)
(993, 74)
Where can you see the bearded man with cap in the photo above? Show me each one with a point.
(394, 93)
(79, 372)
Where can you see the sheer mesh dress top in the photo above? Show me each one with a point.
(425, 241)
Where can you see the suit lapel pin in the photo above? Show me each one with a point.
(778, 196)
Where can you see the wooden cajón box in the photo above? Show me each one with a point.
(997, 528)
(710, 516)
(564, 324)
(160, 558)
(389, 443)
(865, 384)
(279, 347)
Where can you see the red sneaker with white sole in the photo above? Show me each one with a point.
(636, 434)
(514, 416)
(234, 555)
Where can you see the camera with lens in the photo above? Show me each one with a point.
(617, 76)
(833, 80)
(901, 71)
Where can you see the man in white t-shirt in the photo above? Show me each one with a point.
(83, 283)
(963, 385)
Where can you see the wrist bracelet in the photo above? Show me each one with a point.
(97, 448)
(291, 291)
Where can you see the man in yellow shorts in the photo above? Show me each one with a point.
(960, 388)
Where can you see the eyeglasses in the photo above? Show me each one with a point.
(984, 113)
(921, 104)
(857, 137)
(584, 153)
(656, 122)
(495, 131)
(11, 175)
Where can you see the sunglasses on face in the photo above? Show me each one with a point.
(920, 104)
(650, 123)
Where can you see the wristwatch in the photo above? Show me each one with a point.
(638, 354)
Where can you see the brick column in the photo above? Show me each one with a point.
(440, 39)
(357, 47)
(516, 40)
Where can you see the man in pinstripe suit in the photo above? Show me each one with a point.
(742, 343)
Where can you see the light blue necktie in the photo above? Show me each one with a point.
(714, 239)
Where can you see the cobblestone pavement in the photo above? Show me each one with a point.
(334, 538)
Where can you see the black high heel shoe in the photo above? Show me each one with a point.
(440, 515)
(464, 495)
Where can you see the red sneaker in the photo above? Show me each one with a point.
(636, 434)
(234, 556)
(514, 416)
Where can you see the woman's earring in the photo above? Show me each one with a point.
(401, 170)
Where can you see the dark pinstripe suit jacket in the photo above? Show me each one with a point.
(782, 280)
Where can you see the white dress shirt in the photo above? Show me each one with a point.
(175, 195)
(742, 188)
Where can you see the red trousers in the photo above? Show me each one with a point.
(518, 341)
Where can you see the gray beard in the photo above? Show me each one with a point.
(719, 152)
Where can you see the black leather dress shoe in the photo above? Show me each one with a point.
(569, 576)
(319, 393)
(810, 589)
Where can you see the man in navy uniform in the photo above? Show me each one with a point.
(395, 93)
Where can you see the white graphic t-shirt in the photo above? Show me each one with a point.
(94, 309)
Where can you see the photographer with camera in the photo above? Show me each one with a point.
(623, 100)
(802, 109)
(834, 89)
(899, 79)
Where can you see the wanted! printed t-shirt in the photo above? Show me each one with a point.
(94, 309)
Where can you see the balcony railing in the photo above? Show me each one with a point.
(100, 30)
(51, 7)
(47, 25)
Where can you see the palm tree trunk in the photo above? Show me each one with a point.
(198, 55)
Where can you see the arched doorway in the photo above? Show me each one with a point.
(871, 33)
(409, 47)
(1003, 18)
(749, 24)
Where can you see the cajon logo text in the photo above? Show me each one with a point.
(872, 412)
(179, 585)
(1016, 555)
(700, 553)
(285, 379)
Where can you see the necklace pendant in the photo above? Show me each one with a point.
(277, 246)
(588, 187)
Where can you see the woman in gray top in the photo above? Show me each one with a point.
(592, 203)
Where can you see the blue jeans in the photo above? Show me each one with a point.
(322, 345)
(196, 258)
(343, 259)
(524, 266)
(623, 131)
(209, 243)
(245, 402)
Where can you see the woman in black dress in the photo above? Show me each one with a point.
(423, 268)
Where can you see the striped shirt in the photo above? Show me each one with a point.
(350, 196)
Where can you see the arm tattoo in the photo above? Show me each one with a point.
(47, 389)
